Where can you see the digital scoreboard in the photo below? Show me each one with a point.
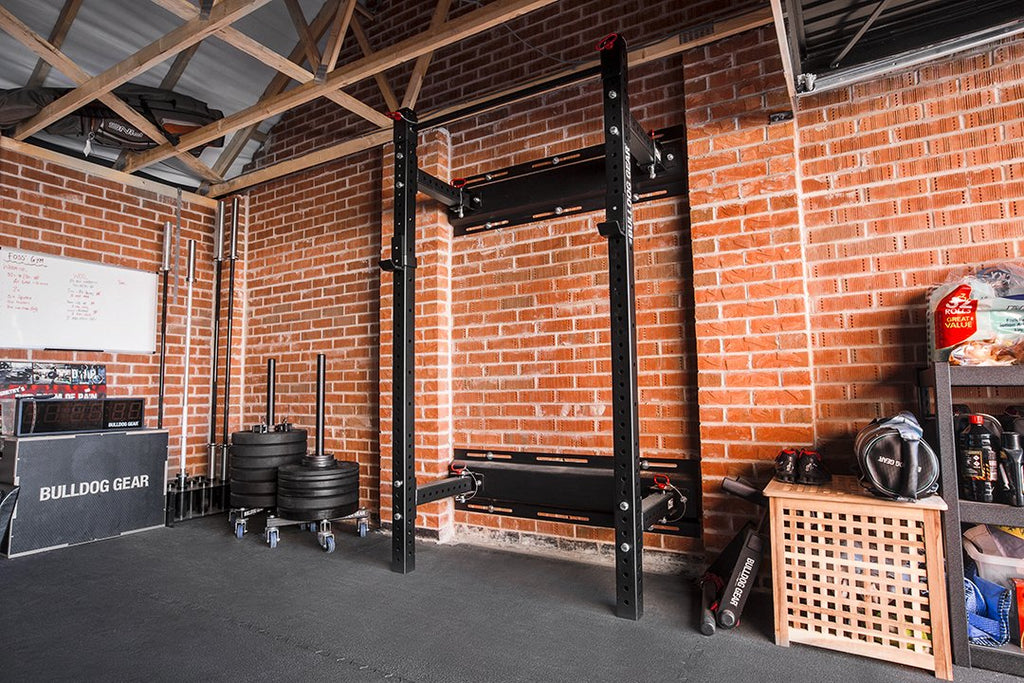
(32, 416)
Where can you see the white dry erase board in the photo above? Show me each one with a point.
(54, 302)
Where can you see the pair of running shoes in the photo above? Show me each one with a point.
(801, 466)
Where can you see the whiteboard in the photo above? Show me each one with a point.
(54, 302)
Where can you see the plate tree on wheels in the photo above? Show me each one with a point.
(318, 488)
(256, 455)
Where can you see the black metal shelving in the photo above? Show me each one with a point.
(942, 378)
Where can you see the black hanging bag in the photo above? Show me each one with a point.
(894, 459)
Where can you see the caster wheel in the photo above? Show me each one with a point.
(272, 538)
(239, 531)
(329, 544)
(362, 530)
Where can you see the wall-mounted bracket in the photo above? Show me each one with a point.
(579, 489)
(567, 184)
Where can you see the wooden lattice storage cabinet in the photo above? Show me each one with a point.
(860, 574)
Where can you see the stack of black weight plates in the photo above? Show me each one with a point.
(255, 458)
(318, 489)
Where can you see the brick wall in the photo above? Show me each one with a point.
(905, 179)
(53, 208)
(753, 348)
(313, 286)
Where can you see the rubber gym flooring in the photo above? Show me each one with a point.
(192, 603)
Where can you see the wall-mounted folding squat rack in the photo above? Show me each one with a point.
(498, 202)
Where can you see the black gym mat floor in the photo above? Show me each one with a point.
(193, 603)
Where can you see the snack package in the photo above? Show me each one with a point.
(979, 319)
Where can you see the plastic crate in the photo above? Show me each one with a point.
(860, 574)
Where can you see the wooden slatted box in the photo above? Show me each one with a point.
(860, 574)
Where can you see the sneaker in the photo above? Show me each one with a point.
(786, 465)
(810, 469)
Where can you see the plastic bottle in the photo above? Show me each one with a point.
(978, 465)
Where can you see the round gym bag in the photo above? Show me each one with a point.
(895, 461)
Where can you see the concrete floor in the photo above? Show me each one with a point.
(193, 603)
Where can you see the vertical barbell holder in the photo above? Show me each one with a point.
(618, 228)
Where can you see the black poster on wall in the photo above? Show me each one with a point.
(53, 380)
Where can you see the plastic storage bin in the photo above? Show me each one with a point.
(992, 566)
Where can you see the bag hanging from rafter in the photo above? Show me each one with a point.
(172, 113)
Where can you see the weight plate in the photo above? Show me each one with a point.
(256, 463)
(286, 478)
(268, 449)
(254, 487)
(252, 501)
(299, 472)
(269, 474)
(322, 490)
(246, 438)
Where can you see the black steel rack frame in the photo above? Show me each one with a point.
(625, 144)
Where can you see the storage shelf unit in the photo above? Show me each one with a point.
(941, 378)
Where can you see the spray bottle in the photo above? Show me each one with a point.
(1012, 457)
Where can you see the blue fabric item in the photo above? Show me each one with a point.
(988, 610)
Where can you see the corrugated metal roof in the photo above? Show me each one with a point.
(106, 32)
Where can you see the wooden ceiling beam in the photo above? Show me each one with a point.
(488, 16)
(390, 101)
(302, 30)
(779, 19)
(335, 39)
(235, 38)
(181, 61)
(60, 31)
(44, 50)
(321, 156)
(170, 44)
(277, 84)
(419, 70)
(660, 50)
(77, 163)
(287, 66)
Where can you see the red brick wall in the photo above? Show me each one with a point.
(753, 356)
(54, 209)
(313, 286)
(905, 179)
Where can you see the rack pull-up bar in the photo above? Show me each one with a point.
(625, 143)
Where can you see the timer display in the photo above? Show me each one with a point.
(58, 416)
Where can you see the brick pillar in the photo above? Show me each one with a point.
(433, 339)
(753, 343)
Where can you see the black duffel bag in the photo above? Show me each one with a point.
(894, 459)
